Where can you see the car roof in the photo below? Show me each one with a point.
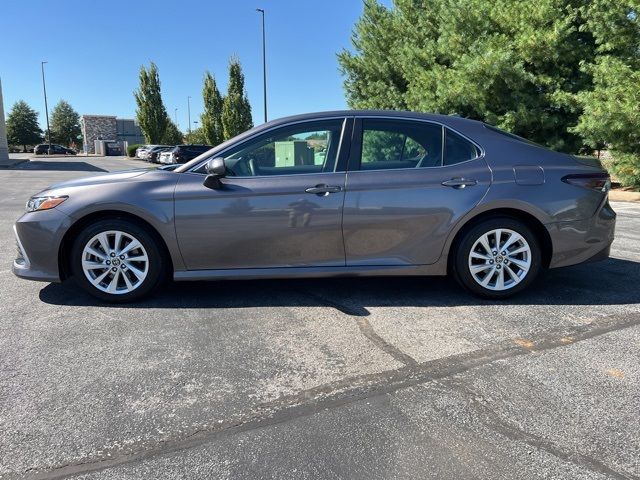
(436, 117)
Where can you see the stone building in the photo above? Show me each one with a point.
(97, 127)
(107, 127)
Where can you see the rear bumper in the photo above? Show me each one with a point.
(583, 240)
(38, 238)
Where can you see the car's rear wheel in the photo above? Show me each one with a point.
(116, 260)
(497, 258)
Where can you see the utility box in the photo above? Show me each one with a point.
(293, 152)
(110, 147)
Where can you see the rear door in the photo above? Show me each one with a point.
(408, 183)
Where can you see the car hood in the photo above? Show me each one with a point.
(114, 177)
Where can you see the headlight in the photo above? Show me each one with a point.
(44, 203)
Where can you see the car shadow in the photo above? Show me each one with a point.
(602, 283)
(57, 165)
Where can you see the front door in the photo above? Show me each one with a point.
(280, 204)
(408, 183)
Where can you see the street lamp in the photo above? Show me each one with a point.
(189, 112)
(264, 65)
(46, 109)
(175, 116)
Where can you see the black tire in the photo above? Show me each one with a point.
(156, 266)
(462, 252)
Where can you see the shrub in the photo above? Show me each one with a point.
(626, 168)
(131, 149)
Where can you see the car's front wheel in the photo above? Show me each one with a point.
(497, 258)
(116, 260)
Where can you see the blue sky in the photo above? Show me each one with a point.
(95, 50)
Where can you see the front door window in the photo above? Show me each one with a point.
(299, 149)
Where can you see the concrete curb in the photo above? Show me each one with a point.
(13, 165)
(624, 196)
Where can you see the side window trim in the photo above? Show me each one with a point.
(356, 142)
(341, 157)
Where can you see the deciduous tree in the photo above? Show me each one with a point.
(211, 118)
(151, 112)
(65, 124)
(22, 125)
(236, 110)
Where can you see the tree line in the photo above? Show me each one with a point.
(563, 73)
(23, 128)
(223, 117)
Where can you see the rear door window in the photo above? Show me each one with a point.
(394, 144)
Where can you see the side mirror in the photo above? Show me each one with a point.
(216, 170)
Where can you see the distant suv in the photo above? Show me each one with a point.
(55, 149)
(183, 153)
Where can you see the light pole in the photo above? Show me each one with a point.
(46, 109)
(175, 116)
(264, 65)
(189, 113)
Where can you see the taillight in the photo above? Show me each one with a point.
(595, 181)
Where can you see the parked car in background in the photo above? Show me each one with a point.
(143, 152)
(153, 154)
(328, 194)
(56, 149)
(183, 153)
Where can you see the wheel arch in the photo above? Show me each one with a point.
(530, 220)
(64, 259)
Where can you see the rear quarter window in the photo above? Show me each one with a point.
(458, 149)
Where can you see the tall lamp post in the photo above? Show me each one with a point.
(189, 113)
(264, 65)
(175, 116)
(46, 109)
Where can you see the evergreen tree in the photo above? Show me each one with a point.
(151, 113)
(22, 125)
(172, 136)
(513, 64)
(211, 118)
(236, 110)
(612, 106)
(65, 124)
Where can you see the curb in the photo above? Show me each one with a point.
(623, 196)
(13, 165)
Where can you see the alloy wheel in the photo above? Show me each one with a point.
(115, 262)
(500, 259)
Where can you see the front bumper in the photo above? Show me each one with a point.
(583, 240)
(38, 239)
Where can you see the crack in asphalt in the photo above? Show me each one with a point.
(367, 330)
(365, 327)
(492, 420)
(344, 392)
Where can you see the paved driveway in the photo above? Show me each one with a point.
(348, 378)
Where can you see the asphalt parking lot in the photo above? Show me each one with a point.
(346, 378)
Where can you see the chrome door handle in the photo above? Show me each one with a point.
(460, 182)
(323, 189)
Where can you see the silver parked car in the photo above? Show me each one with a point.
(318, 195)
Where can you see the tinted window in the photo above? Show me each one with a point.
(310, 147)
(389, 144)
(458, 149)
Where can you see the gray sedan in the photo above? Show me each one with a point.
(327, 194)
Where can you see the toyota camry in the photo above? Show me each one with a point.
(327, 194)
